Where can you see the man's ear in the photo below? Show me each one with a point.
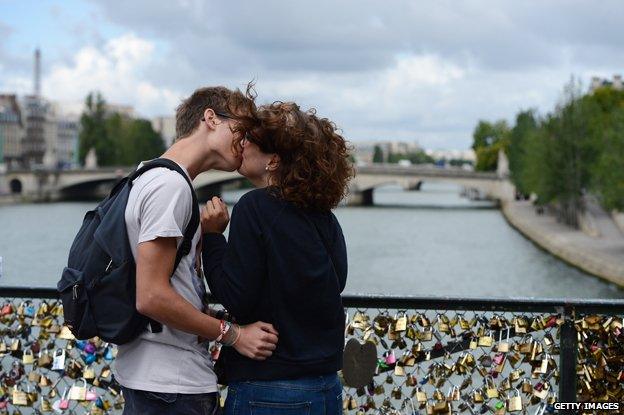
(210, 118)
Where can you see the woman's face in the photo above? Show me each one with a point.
(255, 163)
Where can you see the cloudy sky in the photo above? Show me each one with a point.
(423, 71)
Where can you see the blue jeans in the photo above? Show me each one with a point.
(155, 403)
(318, 395)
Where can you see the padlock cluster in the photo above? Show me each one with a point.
(457, 362)
(46, 370)
(600, 363)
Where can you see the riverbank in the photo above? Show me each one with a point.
(602, 256)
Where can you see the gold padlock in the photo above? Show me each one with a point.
(89, 373)
(66, 334)
(477, 396)
(34, 377)
(514, 404)
(401, 322)
(19, 397)
(526, 386)
(486, 341)
(421, 396)
(45, 405)
(28, 358)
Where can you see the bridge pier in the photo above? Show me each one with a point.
(414, 186)
(360, 198)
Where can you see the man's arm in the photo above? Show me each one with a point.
(157, 299)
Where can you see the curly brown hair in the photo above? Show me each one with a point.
(315, 167)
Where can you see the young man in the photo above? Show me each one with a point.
(170, 372)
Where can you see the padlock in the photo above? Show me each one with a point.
(77, 392)
(66, 334)
(28, 358)
(491, 390)
(421, 395)
(45, 405)
(62, 403)
(7, 309)
(59, 360)
(477, 396)
(401, 322)
(19, 397)
(503, 346)
(34, 377)
(514, 403)
(89, 373)
(91, 395)
(486, 341)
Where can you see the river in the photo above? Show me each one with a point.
(428, 242)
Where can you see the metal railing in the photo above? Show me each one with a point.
(435, 355)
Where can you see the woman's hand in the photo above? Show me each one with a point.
(257, 341)
(214, 216)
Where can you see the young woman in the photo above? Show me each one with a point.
(285, 262)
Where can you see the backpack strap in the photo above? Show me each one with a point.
(191, 228)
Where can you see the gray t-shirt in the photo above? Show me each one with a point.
(159, 206)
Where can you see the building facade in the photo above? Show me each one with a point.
(166, 127)
(598, 82)
(11, 132)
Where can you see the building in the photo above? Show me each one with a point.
(67, 128)
(166, 127)
(11, 132)
(34, 117)
(598, 82)
(124, 110)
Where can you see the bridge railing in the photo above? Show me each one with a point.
(434, 355)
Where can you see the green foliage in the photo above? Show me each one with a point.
(417, 157)
(118, 140)
(378, 156)
(576, 149)
(93, 131)
(526, 125)
(488, 139)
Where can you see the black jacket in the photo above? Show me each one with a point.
(276, 268)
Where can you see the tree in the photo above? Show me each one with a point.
(378, 156)
(93, 130)
(488, 139)
(526, 124)
(118, 139)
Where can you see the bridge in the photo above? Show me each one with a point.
(89, 184)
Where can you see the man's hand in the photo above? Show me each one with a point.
(257, 341)
(215, 216)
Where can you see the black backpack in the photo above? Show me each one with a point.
(98, 286)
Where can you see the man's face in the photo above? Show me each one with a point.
(221, 143)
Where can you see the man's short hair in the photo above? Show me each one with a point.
(191, 110)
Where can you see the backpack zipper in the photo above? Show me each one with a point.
(108, 267)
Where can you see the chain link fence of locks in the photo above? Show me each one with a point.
(428, 361)
(451, 362)
(600, 358)
(43, 369)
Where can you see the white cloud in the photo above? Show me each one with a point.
(116, 70)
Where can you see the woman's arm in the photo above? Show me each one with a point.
(234, 269)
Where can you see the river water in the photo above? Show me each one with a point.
(431, 242)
